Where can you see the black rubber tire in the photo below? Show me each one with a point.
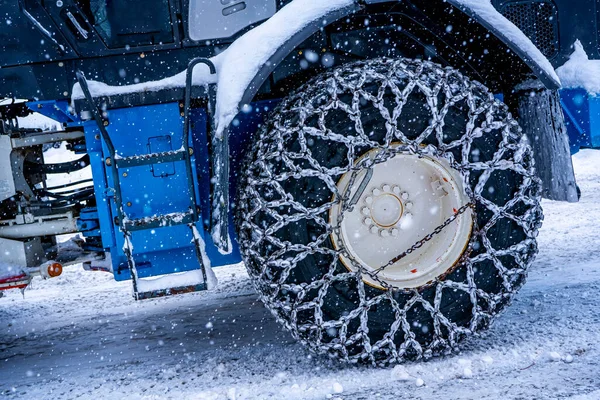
(286, 191)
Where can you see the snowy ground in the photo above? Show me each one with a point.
(82, 336)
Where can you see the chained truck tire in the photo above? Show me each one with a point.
(388, 210)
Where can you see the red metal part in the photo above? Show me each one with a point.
(15, 282)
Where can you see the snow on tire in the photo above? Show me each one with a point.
(349, 171)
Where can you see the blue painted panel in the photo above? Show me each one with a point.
(101, 191)
(146, 190)
(576, 109)
(160, 189)
(582, 115)
(594, 102)
(240, 135)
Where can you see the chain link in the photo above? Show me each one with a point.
(427, 238)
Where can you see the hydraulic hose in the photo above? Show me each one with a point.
(59, 168)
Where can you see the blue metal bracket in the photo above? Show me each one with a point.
(58, 110)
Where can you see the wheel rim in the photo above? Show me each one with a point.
(395, 204)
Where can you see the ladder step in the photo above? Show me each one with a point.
(181, 282)
(159, 221)
(149, 159)
(166, 285)
(169, 292)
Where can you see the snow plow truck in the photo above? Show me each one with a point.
(377, 165)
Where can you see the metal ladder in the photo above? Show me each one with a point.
(189, 217)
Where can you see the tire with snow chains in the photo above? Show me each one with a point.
(388, 209)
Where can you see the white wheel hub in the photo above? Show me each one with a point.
(386, 210)
(397, 203)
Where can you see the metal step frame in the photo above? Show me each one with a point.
(116, 164)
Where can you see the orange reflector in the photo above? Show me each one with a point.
(54, 270)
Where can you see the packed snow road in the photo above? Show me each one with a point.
(82, 336)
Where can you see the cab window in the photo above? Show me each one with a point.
(132, 23)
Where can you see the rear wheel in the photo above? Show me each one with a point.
(388, 209)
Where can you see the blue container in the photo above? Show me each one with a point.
(582, 117)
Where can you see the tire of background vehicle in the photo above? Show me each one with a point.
(288, 189)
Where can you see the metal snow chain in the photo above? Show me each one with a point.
(267, 206)
(427, 238)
